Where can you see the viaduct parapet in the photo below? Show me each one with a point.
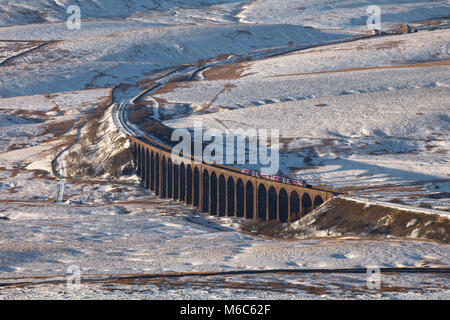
(222, 190)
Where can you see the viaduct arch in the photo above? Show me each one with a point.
(222, 191)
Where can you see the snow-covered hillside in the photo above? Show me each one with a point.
(128, 57)
(369, 115)
(351, 115)
(23, 12)
(342, 14)
(339, 69)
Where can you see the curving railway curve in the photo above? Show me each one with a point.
(216, 189)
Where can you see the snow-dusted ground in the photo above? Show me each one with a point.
(127, 57)
(22, 12)
(344, 14)
(370, 116)
(51, 78)
(262, 286)
(44, 240)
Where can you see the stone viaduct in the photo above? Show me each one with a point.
(222, 190)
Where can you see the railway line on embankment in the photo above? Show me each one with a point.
(214, 188)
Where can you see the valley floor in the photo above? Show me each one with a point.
(369, 115)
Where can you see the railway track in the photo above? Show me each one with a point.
(192, 72)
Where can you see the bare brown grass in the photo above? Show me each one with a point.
(57, 129)
(227, 72)
(159, 130)
(169, 87)
(140, 116)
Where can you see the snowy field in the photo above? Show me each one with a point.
(320, 99)
(342, 15)
(120, 238)
(369, 116)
